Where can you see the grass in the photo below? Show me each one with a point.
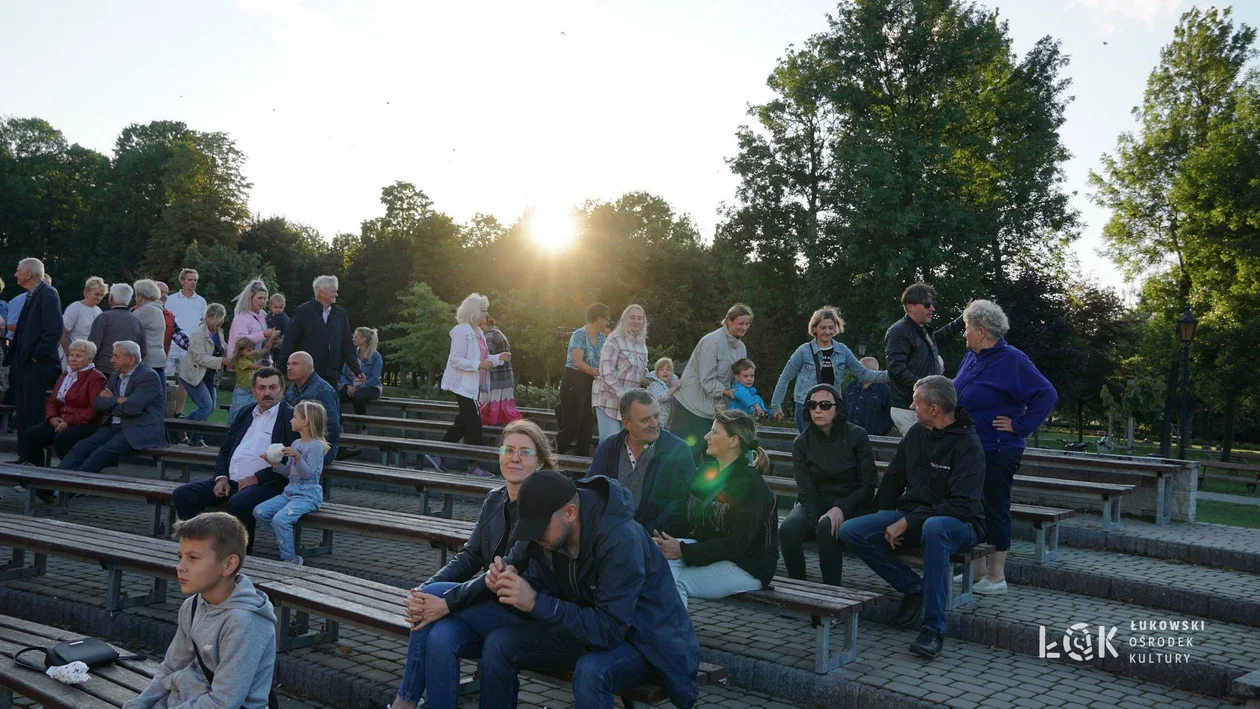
(219, 415)
(1214, 512)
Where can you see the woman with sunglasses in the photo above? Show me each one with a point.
(912, 352)
(447, 614)
(835, 476)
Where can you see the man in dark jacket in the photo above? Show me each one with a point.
(242, 479)
(602, 596)
(869, 404)
(654, 464)
(911, 352)
(34, 360)
(321, 328)
(835, 476)
(929, 497)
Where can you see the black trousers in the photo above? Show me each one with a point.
(576, 415)
(38, 437)
(467, 426)
(192, 499)
(797, 528)
(359, 400)
(30, 382)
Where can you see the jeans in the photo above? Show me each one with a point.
(191, 499)
(608, 426)
(96, 452)
(799, 527)
(717, 580)
(802, 423)
(282, 512)
(433, 652)
(241, 398)
(203, 399)
(542, 648)
(999, 475)
(942, 537)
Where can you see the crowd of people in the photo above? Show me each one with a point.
(592, 574)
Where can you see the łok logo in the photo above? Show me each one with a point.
(1078, 643)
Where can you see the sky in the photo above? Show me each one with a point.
(495, 107)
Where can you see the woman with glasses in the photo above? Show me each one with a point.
(822, 360)
(466, 373)
(834, 469)
(451, 613)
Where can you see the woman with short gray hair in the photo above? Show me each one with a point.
(1009, 399)
(466, 370)
(69, 414)
(151, 315)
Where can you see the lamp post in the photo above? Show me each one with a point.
(861, 345)
(1187, 326)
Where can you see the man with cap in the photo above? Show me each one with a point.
(602, 594)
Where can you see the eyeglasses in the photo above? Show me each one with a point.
(512, 452)
(824, 405)
(930, 305)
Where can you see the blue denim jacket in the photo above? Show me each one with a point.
(801, 367)
(371, 367)
(319, 390)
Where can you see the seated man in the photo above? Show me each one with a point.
(653, 463)
(305, 384)
(930, 497)
(132, 404)
(602, 595)
(242, 478)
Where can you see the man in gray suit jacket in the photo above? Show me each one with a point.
(132, 402)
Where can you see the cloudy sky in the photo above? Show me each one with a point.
(497, 106)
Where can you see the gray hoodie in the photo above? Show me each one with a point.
(237, 641)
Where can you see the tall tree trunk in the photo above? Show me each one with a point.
(1080, 419)
(1170, 404)
(1231, 407)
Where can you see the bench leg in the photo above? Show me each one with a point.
(31, 508)
(116, 600)
(954, 600)
(6, 698)
(1111, 513)
(293, 630)
(1163, 500)
(324, 548)
(1047, 542)
(17, 568)
(825, 659)
(161, 466)
(160, 528)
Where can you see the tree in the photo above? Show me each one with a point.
(224, 272)
(419, 341)
(296, 251)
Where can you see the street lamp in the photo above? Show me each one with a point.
(861, 345)
(1187, 326)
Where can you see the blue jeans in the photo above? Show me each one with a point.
(541, 648)
(942, 537)
(281, 513)
(801, 422)
(999, 475)
(241, 397)
(203, 400)
(433, 652)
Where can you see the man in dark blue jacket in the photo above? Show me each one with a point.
(242, 478)
(321, 328)
(654, 464)
(305, 384)
(869, 404)
(929, 497)
(604, 599)
(33, 359)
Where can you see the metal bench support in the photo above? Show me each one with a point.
(448, 505)
(31, 508)
(1111, 512)
(1163, 499)
(955, 599)
(161, 523)
(116, 600)
(324, 548)
(18, 569)
(1047, 541)
(293, 630)
(825, 658)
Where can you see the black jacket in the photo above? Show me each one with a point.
(281, 432)
(733, 516)
(936, 473)
(329, 344)
(39, 329)
(836, 469)
(471, 562)
(665, 481)
(910, 354)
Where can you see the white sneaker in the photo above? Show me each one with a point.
(985, 587)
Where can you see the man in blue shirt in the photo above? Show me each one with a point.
(305, 384)
(870, 405)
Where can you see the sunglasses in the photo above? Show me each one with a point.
(930, 305)
(824, 405)
(512, 452)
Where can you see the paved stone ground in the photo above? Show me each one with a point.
(1198, 533)
(1023, 678)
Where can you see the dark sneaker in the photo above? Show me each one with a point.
(46, 496)
(196, 444)
(348, 452)
(928, 644)
(910, 614)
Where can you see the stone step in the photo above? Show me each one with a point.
(1213, 545)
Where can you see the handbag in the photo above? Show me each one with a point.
(272, 701)
(92, 652)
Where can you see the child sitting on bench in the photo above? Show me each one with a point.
(303, 463)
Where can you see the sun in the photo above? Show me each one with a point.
(554, 229)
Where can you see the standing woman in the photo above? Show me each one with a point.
(359, 393)
(732, 517)
(467, 366)
(198, 366)
(151, 314)
(623, 365)
(499, 406)
(1009, 399)
(249, 321)
(79, 316)
(822, 360)
(581, 364)
(706, 380)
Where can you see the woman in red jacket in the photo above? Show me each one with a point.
(69, 414)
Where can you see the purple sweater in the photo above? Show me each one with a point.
(1003, 381)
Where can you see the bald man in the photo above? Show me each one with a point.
(870, 405)
(305, 384)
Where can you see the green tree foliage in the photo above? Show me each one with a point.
(297, 253)
(224, 272)
(419, 341)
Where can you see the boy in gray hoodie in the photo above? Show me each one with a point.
(226, 621)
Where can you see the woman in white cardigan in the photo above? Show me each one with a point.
(467, 365)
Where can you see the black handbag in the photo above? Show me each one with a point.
(272, 701)
(92, 652)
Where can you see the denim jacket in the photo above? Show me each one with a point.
(802, 367)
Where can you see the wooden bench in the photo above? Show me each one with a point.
(1111, 494)
(110, 687)
(302, 590)
(1250, 477)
